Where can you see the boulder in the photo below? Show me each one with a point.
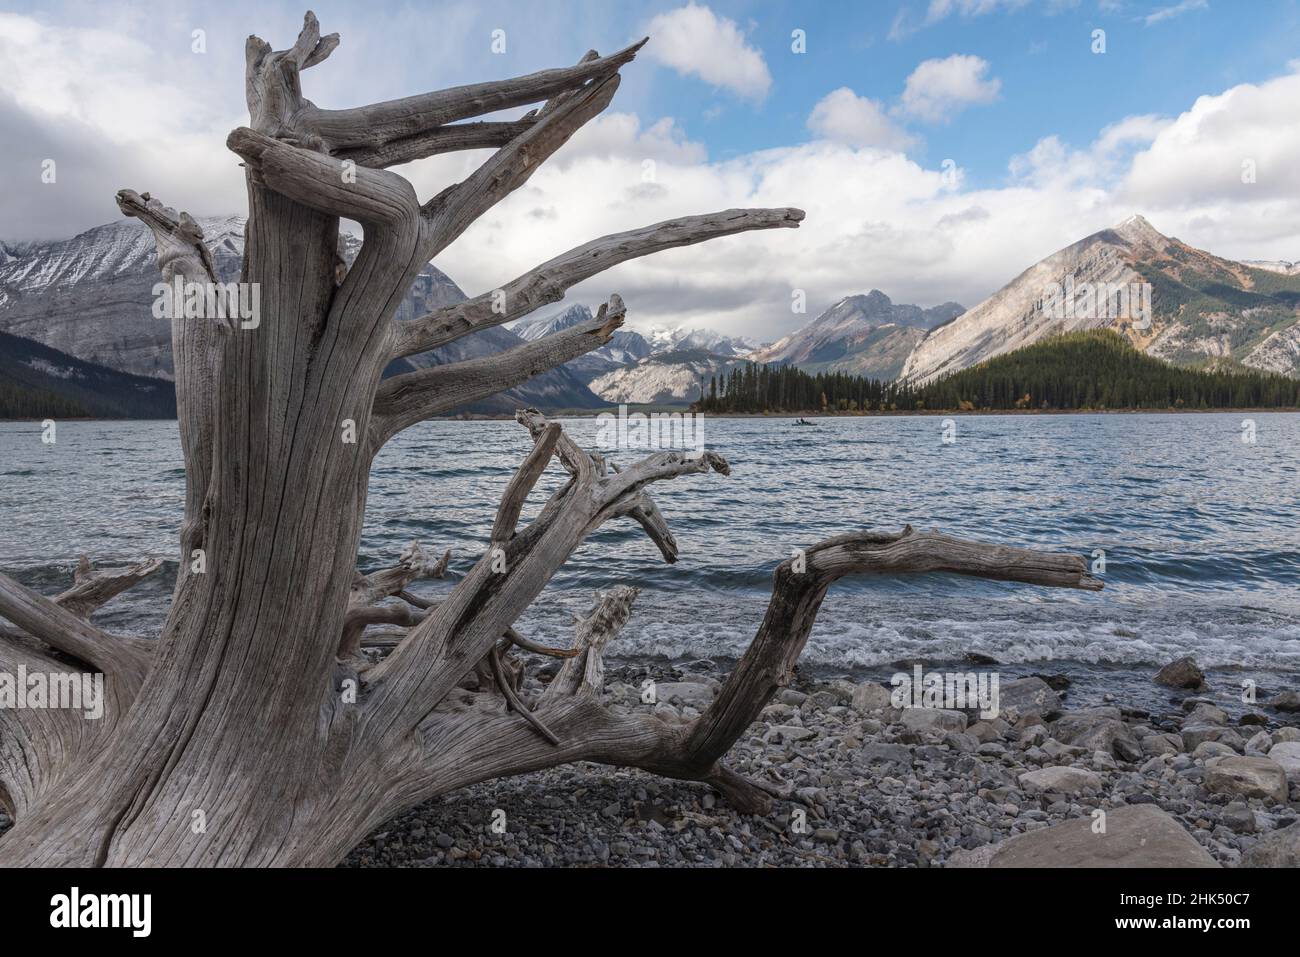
(870, 696)
(1139, 835)
(1096, 730)
(1212, 749)
(936, 719)
(1196, 733)
(1183, 673)
(1287, 754)
(1278, 849)
(1286, 701)
(788, 734)
(984, 732)
(1062, 780)
(692, 693)
(1028, 694)
(1206, 713)
(1162, 744)
(880, 753)
(1286, 734)
(1248, 777)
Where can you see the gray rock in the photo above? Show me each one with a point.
(1094, 731)
(692, 693)
(1194, 734)
(1238, 817)
(1135, 836)
(1212, 749)
(1286, 701)
(879, 753)
(1260, 742)
(1162, 744)
(869, 696)
(785, 733)
(1182, 673)
(1206, 713)
(1287, 754)
(1061, 780)
(1278, 849)
(925, 719)
(1248, 777)
(1028, 694)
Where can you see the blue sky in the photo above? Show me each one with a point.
(1046, 140)
(1051, 82)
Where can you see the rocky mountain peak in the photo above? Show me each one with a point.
(1137, 231)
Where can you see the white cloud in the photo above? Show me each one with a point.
(845, 117)
(876, 218)
(906, 22)
(695, 41)
(937, 89)
(1161, 14)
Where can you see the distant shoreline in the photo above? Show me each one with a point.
(593, 413)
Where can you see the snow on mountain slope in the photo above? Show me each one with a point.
(91, 297)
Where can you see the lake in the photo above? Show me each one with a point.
(1199, 531)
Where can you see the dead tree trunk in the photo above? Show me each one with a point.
(249, 733)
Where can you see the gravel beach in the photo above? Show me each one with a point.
(858, 782)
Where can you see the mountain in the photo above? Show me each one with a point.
(682, 339)
(37, 381)
(91, 297)
(862, 335)
(624, 349)
(1201, 307)
(668, 378)
(1274, 265)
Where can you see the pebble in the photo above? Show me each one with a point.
(895, 788)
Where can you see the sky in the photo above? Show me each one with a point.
(939, 147)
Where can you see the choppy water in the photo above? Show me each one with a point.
(1201, 531)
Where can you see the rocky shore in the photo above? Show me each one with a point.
(858, 782)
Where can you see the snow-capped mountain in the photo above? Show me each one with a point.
(1201, 307)
(91, 297)
(868, 335)
(1274, 265)
(681, 339)
(625, 348)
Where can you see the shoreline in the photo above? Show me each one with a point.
(613, 410)
(856, 781)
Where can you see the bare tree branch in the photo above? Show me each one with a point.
(334, 186)
(439, 139)
(512, 502)
(377, 125)
(451, 212)
(93, 588)
(548, 282)
(404, 400)
(125, 658)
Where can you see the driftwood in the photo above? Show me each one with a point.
(246, 733)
